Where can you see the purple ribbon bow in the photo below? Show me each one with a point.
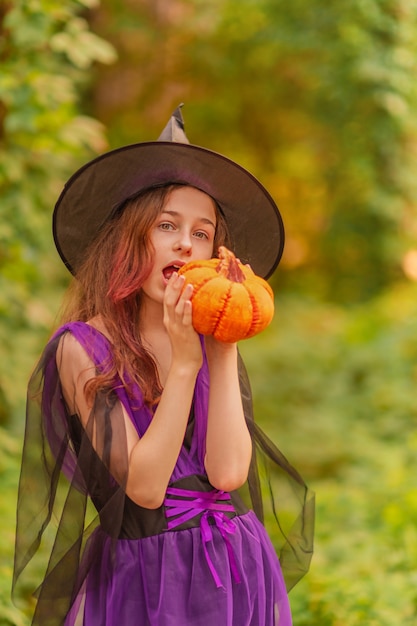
(211, 505)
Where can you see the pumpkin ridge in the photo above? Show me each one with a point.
(204, 281)
(220, 313)
(255, 314)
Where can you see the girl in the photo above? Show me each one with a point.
(140, 441)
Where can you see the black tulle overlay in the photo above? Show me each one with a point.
(81, 542)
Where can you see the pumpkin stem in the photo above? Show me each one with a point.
(229, 266)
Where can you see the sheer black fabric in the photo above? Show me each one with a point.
(283, 492)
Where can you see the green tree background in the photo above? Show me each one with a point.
(318, 100)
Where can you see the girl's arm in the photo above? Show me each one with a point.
(228, 443)
(151, 458)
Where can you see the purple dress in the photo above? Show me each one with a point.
(203, 558)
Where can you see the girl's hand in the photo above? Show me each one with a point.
(185, 342)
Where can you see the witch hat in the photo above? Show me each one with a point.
(98, 189)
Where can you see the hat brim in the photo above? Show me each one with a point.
(94, 192)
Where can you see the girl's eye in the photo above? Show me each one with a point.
(166, 226)
(201, 235)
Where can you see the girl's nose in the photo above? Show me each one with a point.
(184, 243)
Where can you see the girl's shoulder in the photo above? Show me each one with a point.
(76, 336)
(93, 328)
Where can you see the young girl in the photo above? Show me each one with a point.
(140, 440)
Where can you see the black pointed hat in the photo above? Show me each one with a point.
(95, 192)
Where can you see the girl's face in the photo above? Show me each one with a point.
(184, 231)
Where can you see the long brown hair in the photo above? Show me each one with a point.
(109, 283)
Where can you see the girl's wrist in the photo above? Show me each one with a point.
(219, 349)
(187, 369)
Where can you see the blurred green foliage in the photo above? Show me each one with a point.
(9, 473)
(336, 389)
(316, 99)
(319, 101)
(45, 48)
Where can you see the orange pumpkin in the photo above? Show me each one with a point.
(229, 300)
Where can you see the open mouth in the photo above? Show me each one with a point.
(170, 269)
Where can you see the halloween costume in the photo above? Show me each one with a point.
(203, 558)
